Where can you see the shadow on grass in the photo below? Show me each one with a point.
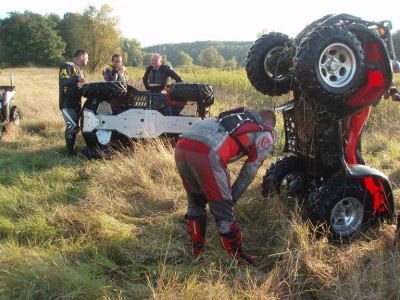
(50, 162)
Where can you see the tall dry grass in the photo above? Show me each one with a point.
(114, 228)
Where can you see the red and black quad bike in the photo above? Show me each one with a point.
(336, 69)
(115, 114)
(9, 114)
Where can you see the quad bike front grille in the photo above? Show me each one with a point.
(140, 101)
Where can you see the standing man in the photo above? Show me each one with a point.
(157, 75)
(202, 154)
(115, 71)
(70, 82)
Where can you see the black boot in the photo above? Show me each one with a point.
(70, 143)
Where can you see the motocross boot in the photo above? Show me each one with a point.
(197, 229)
(70, 143)
(232, 242)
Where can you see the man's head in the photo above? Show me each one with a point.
(268, 116)
(116, 61)
(81, 57)
(156, 60)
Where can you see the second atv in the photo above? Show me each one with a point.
(9, 113)
(115, 113)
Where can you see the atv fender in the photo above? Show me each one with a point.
(360, 171)
(378, 185)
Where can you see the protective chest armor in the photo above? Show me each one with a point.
(240, 121)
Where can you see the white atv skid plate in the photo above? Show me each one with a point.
(135, 123)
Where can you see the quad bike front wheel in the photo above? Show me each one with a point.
(14, 119)
(286, 176)
(269, 64)
(340, 207)
(330, 65)
(15, 115)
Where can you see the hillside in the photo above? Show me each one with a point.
(228, 49)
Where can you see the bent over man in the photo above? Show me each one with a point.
(70, 82)
(202, 155)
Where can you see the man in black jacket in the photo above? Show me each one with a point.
(70, 82)
(157, 75)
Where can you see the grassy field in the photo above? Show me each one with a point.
(114, 229)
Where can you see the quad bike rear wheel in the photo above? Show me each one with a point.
(330, 65)
(286, 176)
(340, 207)
(202, 93)
(269, 64)
(104, 90)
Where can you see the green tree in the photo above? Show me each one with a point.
(69, 28)
(30, 39)
(210, 58)
(231, 63)
(99, 35)
(183, 59)
(55, 18)
(131, 48)
(147, 58)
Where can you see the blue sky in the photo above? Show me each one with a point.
(158, 22)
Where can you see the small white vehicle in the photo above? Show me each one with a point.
(115, 113)
(9, 114)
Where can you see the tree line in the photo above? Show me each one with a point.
(31, 39)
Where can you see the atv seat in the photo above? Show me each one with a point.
(7, 88)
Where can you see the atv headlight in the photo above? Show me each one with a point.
(381, 31)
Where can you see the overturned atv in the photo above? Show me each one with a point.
(115, 114)
(336, 68)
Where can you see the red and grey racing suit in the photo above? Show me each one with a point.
(202, 155)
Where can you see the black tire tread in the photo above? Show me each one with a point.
(104, 90)
(201, 93)
(322, 201)
(15, 110)
(255, 64)
(277, 171)
(306, 62)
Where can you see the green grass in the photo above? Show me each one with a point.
(114, 229)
